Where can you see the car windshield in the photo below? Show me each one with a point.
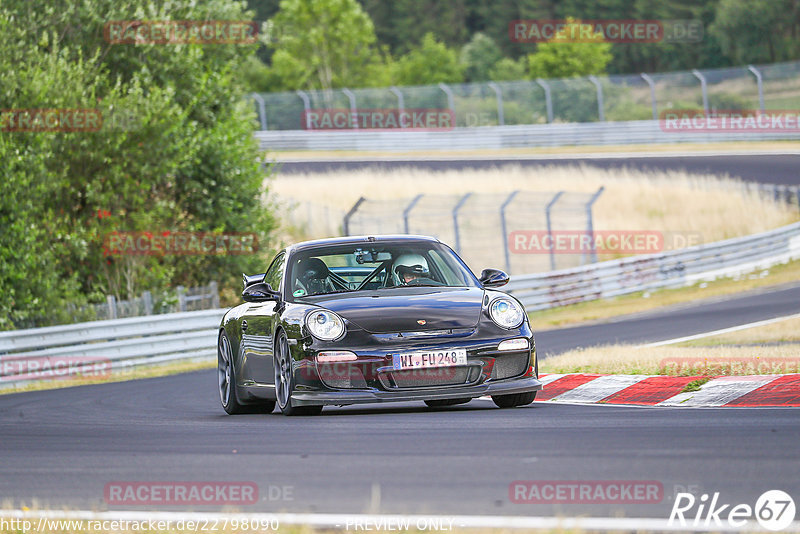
(374, 267)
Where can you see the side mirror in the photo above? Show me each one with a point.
(493, 278)
(260, 292)
(250, 279)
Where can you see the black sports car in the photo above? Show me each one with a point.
(373, 319)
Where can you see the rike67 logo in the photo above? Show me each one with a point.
(774, 510)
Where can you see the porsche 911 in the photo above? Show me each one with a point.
(374, 319)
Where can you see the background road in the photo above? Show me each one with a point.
(63, 446)
(675, 321)
(764, 168)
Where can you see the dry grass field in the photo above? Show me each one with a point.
(671, 202)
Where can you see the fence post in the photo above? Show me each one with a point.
(797, 196)
(111, 300)
(346, 221)
(353, 110)
(451, 103)
(590, 224)
(306, 105)
(214, 288)
(262, 111)
(455, 220)
(796, 190)
(600, 113)
(147, 298)
(550, 228)
(703, 88)
(548, 101)
(501, 119)
(652, 84)
(181, 291)
(504, 228)
(401, 105)
(408, 209)
(760, 84)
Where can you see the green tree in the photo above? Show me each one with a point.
(322, 44)
(478, 56)
(183, 158)
(432, 62)
(401, 24)
(758, 31)
(564, 59)
(508, 69)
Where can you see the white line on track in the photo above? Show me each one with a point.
(723, 331)
(349, 521)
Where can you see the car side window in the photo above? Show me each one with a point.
(274, 275)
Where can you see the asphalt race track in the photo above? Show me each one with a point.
(764, 168)
(676, 321)
(63, 446)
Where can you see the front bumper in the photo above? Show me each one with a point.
(488, 371)
(342, 397)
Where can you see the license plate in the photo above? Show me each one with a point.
(423, 360)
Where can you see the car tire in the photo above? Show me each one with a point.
(438, 403)
(512, 401)
(226, 381)
(284, 380)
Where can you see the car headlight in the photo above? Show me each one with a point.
(506, 313)
(325, 325)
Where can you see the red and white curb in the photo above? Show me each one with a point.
(649, 390)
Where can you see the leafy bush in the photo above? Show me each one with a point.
(183, 158)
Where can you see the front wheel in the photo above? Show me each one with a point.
(226, 380)
(512, 401)
(284, 381)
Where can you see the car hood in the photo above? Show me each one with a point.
(402, 309)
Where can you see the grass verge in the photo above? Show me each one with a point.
(646, 301)
(786, 331)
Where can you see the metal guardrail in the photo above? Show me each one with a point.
(497, 137)
(125, 343)
(656, 271)
(75, 349)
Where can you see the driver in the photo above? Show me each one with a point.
(410, 267)
(313, 278)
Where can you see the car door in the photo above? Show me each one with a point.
(258, 326)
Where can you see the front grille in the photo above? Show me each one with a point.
(341, 375)
(438, 376)
(510, 365)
